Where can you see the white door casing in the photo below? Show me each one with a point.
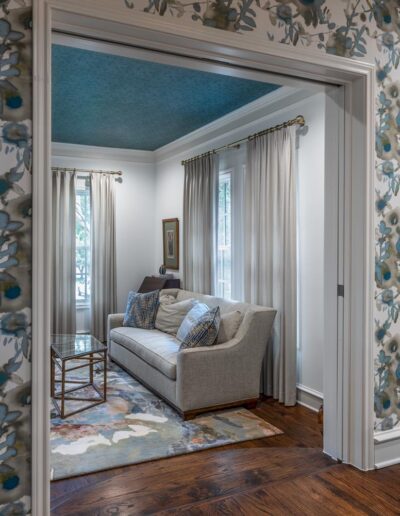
(348, 367)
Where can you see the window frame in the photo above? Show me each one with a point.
(85, 303)
(222, 174)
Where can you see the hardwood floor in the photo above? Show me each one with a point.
(282, 475)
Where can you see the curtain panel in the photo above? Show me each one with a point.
(270, 252)
(199, 224)
(63, 267)
(103, 261)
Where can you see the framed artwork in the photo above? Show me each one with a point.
(171, 243)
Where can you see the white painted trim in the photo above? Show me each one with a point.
(334, 215)
(247, 57)
(387, 435)
(309, 398)
(82, 307)
(310, 391)
(234, 122)
(387, 463)
(74, 17)
(387, 451)
(72, 150)
(41, 261)
(124, 45)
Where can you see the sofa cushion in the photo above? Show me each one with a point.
(141, 309)
(170, 315)
(156, 348)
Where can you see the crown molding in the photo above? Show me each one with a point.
(234, 125)
(72, 150)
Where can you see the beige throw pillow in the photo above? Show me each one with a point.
(167, 299)
(170, 315)
(228, 327)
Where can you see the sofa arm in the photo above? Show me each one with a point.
(225, 373)
(216, 375)
(113, 321)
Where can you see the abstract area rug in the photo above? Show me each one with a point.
(136, 426)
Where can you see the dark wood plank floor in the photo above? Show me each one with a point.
(282, 475)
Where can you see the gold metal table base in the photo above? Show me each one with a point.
(59, 398)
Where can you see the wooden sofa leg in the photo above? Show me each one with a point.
(251, 405)
(188, 416)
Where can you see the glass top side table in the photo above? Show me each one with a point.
(70, 353)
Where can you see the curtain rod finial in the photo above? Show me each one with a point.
(301, 120)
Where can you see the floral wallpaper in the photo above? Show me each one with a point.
(15, 255)
(357, 29)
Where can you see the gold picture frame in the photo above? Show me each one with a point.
(171, 243)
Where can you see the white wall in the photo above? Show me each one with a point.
(135, 217)
(311, 165)
(168, 205)
(310, 227)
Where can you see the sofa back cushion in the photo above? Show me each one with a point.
(170, 315)
(200, 327)
(225, 305)
(141, 310)
(229, 326)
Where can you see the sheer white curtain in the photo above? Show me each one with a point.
(103, 266)
(199, 224)
(63, 284)
(270, 252)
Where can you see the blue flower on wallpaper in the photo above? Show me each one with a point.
(16, 134)
(15, 259)
(14, 324)
(381, 331)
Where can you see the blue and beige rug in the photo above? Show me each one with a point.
(135, 426)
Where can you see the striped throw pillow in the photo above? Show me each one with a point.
(202, 331)
(141, 310)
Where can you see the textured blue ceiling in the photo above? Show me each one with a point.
(111, 101)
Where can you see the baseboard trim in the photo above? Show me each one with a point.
(387, 448)
(387, 435)
(309, 398)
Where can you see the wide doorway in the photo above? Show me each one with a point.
(216, 189)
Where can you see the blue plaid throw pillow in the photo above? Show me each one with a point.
(141, 310)
(200, 327)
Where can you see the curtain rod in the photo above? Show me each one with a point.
(84, 170)
(299, 120)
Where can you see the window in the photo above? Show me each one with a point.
(82, 239)
(224, 237)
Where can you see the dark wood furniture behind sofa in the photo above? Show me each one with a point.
(151, 283)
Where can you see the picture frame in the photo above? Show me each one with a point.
(171, 243)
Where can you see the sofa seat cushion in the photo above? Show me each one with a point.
(158, 349)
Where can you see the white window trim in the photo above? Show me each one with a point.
(226, 173)
(80, 304)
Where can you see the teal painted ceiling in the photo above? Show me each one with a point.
(112, 101)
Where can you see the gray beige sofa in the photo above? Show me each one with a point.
(198, 379)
